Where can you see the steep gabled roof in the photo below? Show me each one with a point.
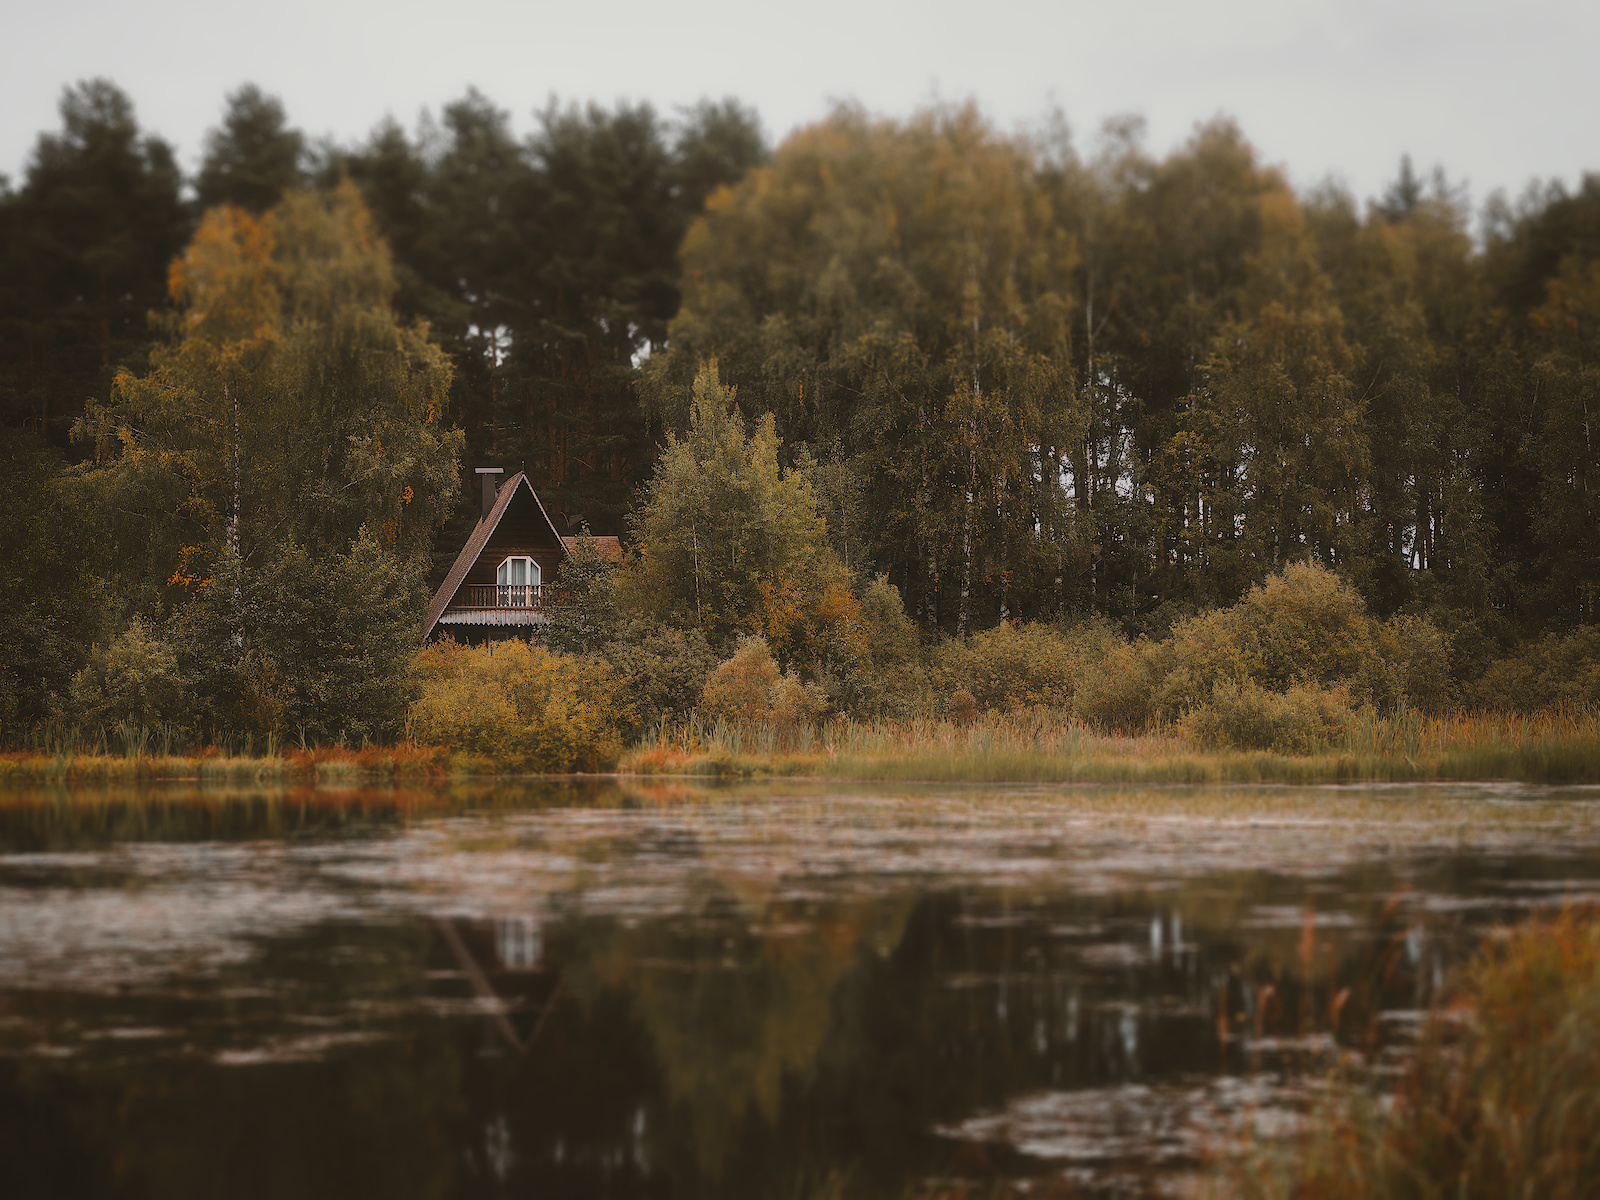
(481, 534)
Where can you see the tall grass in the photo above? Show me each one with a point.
(1045, 745)
(1502, 1099)
(215, 764)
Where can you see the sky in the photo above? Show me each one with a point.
(1496, 93)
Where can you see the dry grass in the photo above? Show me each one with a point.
(1039, 746)
(330, 764)
(1046, 746)
(1503, 1098)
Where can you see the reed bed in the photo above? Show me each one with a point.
(213, 764)
(1035, 746)
(1049, 746)
(1502, 1098)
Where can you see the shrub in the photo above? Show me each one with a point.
(1417, 658)
(748, 689)
(1558, 671)
(136, 679)
(319, 644)
(1305, 625)
(663, 669)
(1304, 719)
(881, 674)
(963, 707)
(1116, 693)
(523, 707)
(1015, 666)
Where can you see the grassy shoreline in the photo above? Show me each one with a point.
(1041, 747)
(1048, 748)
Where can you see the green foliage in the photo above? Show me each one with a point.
(1303, 626)
(136, 678)
(316, 647)
(881, 672)
(520, 705)
(730, 542)
(662, 668)
(53, 604)
(546, 267)
(290, 405)
(1558, 671)
(84, 248)
(254, 158)
(1118, 692)
(1304, 637)
(1418, 658)
(748, 689)
(899, 293)
(1017, 666)
(1304, 719)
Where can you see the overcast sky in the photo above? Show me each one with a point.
(1495, 92)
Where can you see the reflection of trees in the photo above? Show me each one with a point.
(743, 1004)
(125, 1119)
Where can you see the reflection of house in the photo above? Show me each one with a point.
(498, 583)
(518, 943)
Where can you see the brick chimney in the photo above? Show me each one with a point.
(489, 487)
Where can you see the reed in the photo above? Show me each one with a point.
(217, 764)
(1502, 1098)
(1051, 746)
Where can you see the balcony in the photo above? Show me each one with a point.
(499, 595)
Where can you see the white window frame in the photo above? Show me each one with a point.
(518, 595)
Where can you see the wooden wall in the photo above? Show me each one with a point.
(523, 530)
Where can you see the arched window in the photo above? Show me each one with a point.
(517, 583)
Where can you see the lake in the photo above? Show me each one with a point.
(622, 988)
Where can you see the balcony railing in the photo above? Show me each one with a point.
(500, 595)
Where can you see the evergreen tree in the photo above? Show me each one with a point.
(87, 240)
(254, 158)
(731, 542)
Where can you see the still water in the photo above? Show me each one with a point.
(607, 989)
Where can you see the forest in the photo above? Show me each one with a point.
(898, 418)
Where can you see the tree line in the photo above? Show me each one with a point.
(1011, 377)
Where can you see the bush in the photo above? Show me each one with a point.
(523, 707)
(136, 679)
(747, 689)
(1014, 666)
(317, 645)
(1417, 657)
(1558, 671)
(1302, 720)
(962, 707)
(1305, 625)
(661, 668)
(1116, 693)
(879, 672)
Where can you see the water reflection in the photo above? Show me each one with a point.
(600, 989)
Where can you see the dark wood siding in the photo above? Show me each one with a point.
(523, 530)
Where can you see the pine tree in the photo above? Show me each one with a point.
(254, 157)
(87, 240)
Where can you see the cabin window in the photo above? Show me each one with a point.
(517, 583)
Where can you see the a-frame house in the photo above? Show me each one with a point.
(497, 586)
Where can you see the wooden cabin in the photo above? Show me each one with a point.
(498, 584)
